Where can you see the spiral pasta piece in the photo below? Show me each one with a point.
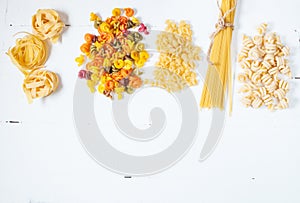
(46, 24)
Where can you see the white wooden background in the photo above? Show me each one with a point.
(42, 160)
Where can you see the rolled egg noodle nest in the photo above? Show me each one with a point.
(29, 55)
(46, 24)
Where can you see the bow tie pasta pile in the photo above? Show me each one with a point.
(115, 54)
(31, 52)
(266, 69)
(176, 65)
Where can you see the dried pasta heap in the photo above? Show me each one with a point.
(116, 54)
(31, 52)
(46, 24)
(263, 59)
(177, 60)
(40, 83)
(218, 81)
(166, 79)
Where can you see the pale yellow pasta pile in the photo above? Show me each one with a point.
(263, 59)
(167, 80)
(177, 52)
(47, 24)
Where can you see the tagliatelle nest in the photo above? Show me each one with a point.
(29, 52)
(47, 24)
(40, 83)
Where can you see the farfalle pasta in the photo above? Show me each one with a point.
(266, 69)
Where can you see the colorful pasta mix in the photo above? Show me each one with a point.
(115, 54)
(266, 70)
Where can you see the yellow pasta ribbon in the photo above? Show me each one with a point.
(119, 64)
(46, 24)
(29, 55)
(80, 60)
(29, 52)
(105, 27)
(135, 20)
(144, 55)
(91, 84)
(116, 12)
(40, 83)
(128, 64)
(94, 17)
(134, 55)
(101, 88)
(140, 63)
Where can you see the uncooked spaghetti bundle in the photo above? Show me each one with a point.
(218, 81)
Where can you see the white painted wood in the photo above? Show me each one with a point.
(42, 160)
